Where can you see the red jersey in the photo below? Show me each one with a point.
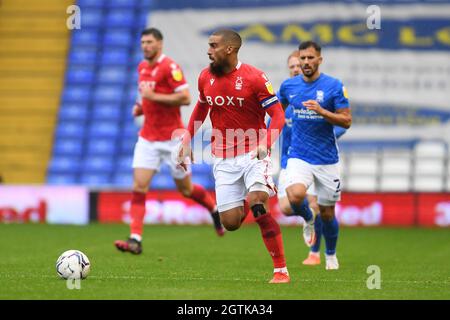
(238, 102)
(164, 76)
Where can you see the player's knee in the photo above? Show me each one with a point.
(295, 196)
(231, 224)
(257, 197)
(326, 213)
(285, 206)
(186, 192)
(140, 187)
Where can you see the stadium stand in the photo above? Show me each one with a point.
(94, 121)
(33, 48)
(95, 134)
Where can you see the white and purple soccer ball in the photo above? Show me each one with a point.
(73, 264)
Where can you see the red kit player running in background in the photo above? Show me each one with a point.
(163, 89)
(238, 96)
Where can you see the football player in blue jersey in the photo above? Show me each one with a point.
(319, 102)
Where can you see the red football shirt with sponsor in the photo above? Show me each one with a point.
(237, 103)
(164, 76)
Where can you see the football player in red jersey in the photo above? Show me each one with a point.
(237, 97)
(163, 89)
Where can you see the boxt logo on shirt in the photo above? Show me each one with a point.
(227, 100)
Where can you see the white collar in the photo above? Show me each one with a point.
(161, 57)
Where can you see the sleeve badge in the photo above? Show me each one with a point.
(177, 75)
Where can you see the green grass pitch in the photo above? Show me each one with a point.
(191, 262)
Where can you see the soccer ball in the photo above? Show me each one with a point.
(73, 264)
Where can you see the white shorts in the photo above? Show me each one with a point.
(150, 155)
(325, 177)
(237, 176)
(282, 180)
(282, 185)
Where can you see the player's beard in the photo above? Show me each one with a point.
(309, 73)
(217, 70)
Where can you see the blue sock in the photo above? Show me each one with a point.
(303, 210)
(318, 224)
(330, 232)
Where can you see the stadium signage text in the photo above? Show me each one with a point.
(395, 34)
(29, 214)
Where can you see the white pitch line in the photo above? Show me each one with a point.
(440, 282)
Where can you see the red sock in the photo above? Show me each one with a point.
(246, 210)
(202, 197)
(271, 234)
(137, 212)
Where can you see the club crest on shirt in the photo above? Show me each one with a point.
(239, 83)
(177, 75)
(319, 96)
(155, 71)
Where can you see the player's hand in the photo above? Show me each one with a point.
(185, 156)
(137, 110)
(260, 152)
(314, 106)
(147, 92)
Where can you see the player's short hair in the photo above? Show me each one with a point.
(294, 53)
(154, 32)
(310, 44)
(230, 37)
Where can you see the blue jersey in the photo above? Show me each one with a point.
(286, 136)
(312, 137)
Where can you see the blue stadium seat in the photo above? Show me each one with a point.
(130, 132)
(134, 76)
(73, 111)
(70, 129)
(108, 94)
(127, 115)
(122, 17)
(205, 180)
(124, 163)
(105, 147)
(137, 57)
(62, 179)
(164, 170)
(91, 17)
(85, 37)
(76, 93)
(68, 147)
(118, 37)
(123, 3)
(97, 164)
(104, 129)
(90, 4)
(64, 164)
(107, 111)
(145, 4)
(112, 75)
(163, 181)
(202, 168)
(127, 145)
(123, 179)
(143, 19)
(132, 92)
(115, 56)
(95, 179)
(80, 75)
(95, 112)
(83, 55)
